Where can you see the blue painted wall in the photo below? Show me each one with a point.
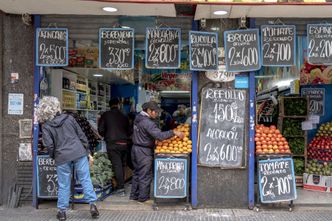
(328, 108)
(125, 90)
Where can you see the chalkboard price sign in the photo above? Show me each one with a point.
(242, 52)
(47, 179)
(163, 48)
(276, 180)
(278, 45)
(221, 132)
(116, 48)
(170, 179)
(319, 43)
(52, 47)
(316, 98)
(203, 50)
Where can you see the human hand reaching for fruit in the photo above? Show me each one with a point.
(179, 134)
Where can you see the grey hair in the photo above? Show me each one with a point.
(47, 108)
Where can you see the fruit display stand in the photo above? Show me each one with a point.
(293, 110)
(270, 144)
(171, 170)
(318, 173)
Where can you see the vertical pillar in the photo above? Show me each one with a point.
(37, 71)
(194, 129)
(252, 114)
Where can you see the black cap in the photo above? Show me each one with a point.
(152, 105)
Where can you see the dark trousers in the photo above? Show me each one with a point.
(117, 154)
(142, 159)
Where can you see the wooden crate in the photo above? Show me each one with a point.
(283, 109)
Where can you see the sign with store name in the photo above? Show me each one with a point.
(203, 51)
(278, 45)
(52, 47)
(319, 43)
(170, 178)
(276, 180)
(242, 51)
(47, 178)
(316, 101)
(116, 48)
(163, 48)
(222, 128)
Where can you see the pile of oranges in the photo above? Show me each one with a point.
(269, 140)
(175, 145)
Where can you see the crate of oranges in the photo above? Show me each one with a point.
(175, 145)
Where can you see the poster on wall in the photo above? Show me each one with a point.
(278, 45)
(316, 98)
(242, 52)
(167, 81)
(52, 47)
(203, 51)
(163, 48)
(15, 104)
(116, 48)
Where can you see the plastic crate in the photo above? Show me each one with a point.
(284, 110)
(101, 192)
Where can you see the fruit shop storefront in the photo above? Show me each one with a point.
(222, 162)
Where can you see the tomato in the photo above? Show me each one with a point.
(258, 135)
(264, 146)
(267, 139)
(280, 144)
(257, 139)
(280, 136)
(263, 135)
(258, 131)
(258, 143)
(264, 142)
(277, 131)
(273, 127)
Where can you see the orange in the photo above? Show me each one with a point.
(185, 139)
(189, 141)
(189, 146)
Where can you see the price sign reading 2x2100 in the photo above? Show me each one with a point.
(52, 47)
(319, 43)
(242, 51)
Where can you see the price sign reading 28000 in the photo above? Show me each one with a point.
(319, 43)
(52, 47)
(242, 50)
(163, 47)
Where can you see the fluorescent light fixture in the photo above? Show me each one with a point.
(110, 9)
(283, 83)
(125, 27)
(220, 12)
(97, 75)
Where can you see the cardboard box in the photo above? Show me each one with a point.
(317, 182)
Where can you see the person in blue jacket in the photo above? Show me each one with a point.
(68, 146)
(145, 133)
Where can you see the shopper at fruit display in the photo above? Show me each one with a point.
(114, 127)
(146, 132)
(180, 114)
(68, 146)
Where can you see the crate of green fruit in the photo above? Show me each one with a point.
(297, 145)
(291, 127)
(293, 106)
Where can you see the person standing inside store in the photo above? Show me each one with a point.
(68, 146)
(145, 133)
(114, 127)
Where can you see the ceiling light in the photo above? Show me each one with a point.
(220, 12)
(125, 27)
(97, 75)
(110, 9)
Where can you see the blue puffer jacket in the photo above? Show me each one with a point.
(146, 131)
(64, 139)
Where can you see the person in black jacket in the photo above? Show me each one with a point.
(68, 146)
(146, 132)
(114, 127)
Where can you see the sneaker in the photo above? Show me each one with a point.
(61, 215)
(94, 211)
